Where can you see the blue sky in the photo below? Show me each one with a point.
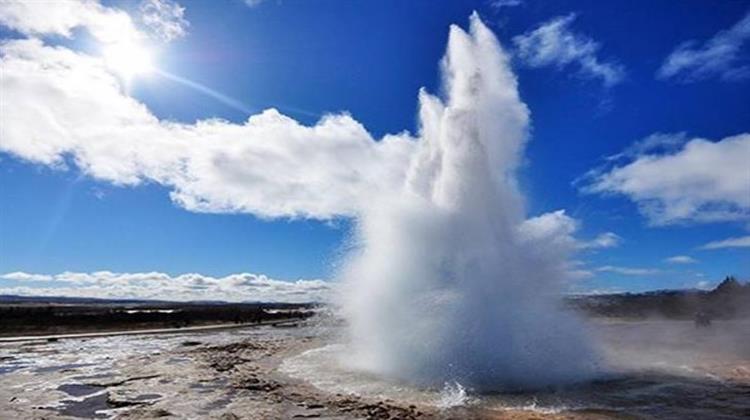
(596, 77)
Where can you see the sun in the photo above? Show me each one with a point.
(128, 59)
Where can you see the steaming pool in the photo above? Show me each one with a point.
(662, 369)
(665, 369)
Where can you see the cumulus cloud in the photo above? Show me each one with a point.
(720, 56)
(554, 43)
(681, 259)
(555, 231)
(164, 18)
(61, 17)
(242, 287)
(628, 271)
(560, 229)
(62, 107)
(703, 181)
(555, 228)
(738, 242)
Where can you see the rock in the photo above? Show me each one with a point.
(123, 403)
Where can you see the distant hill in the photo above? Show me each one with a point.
(730, 299)
(63, 300)
(23, 315)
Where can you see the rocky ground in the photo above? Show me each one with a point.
(259, 391)
(220, 375)
(235, 374)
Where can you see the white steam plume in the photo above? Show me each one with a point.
(449, 281)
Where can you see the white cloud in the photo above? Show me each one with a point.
(738, 242)
(559, 228)
(62, 106)
(21, 276)
(253, 3)
(703, 285)
(499, 4)
(576, 270)
(657, 142)
(704, 181)
(165, 19)
(604, 240)
(555, 231)
(628, 271)
(553, 43)
(578, 274)
(61, 17)
(681, 259)
(719, 56)
(601, 291)
(555, 228)
(240, 287)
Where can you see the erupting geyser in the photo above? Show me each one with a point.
(450, 281)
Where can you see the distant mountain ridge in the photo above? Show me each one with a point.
(730, 299)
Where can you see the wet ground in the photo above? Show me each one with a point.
(657, 369)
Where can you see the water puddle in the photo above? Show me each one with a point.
(79, 390)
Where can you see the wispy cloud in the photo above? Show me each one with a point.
(657, 142)
(576, 270)
(628, 271)
(240, 287)
(499, 4)
(680, 259)
(704, 181)
(253, 3)
(604, 240)
(738, 242)
(554, 43)
(720, 56)
(21, 276)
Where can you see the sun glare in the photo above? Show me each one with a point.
(128, 59)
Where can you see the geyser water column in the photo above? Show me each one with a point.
(449, 281)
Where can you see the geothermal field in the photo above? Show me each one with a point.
(448, 299)
(647, 369)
